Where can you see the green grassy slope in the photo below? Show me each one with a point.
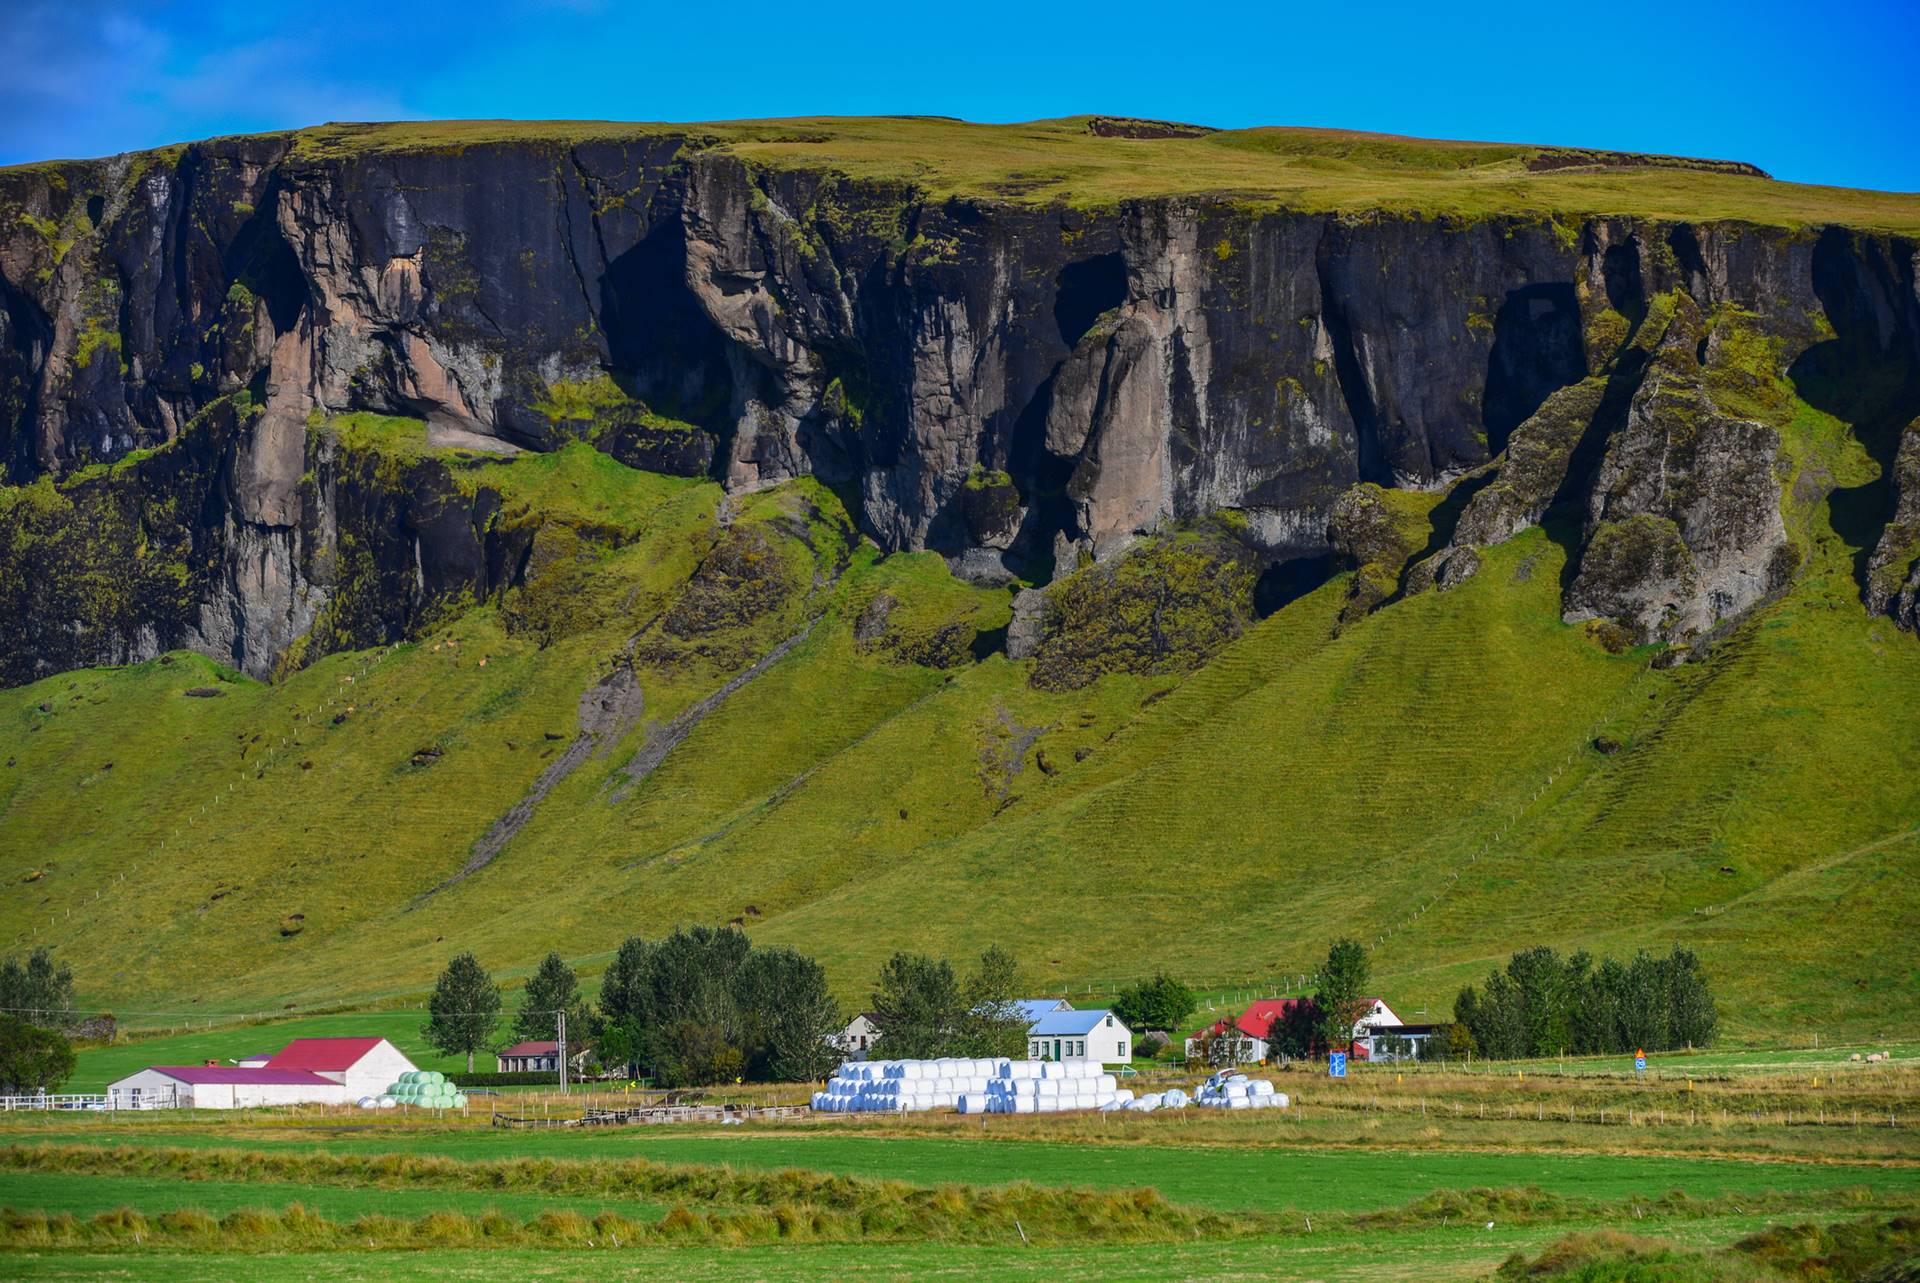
(1425, 779)
(1065, 161)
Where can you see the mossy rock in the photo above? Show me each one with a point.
(1163, 607)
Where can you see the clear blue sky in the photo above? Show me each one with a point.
(1826, 93)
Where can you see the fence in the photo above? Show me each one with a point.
(9, 1104)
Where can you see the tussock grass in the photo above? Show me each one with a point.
(750, 1206)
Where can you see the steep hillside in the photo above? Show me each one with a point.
(1134, 545)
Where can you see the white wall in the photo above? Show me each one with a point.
(252, 1095)
(374, 1072)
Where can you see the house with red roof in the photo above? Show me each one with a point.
(540, 1057)
(1252, 1028)
(307, 1071)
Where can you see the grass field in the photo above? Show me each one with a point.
(1062, 161)
(1311, 1193)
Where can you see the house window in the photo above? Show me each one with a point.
(1109, 1020)
(1123, 1049)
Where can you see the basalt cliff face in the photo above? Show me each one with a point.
(1019, 385)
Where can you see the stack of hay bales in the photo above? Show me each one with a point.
(422, 1088)
(1173, 1098)
(970, 1086)
(1236, 1091)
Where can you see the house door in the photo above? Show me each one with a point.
(1056, 1049)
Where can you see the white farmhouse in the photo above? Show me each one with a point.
(1096, 1035)
(855, 1042)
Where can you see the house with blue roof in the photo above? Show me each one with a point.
(1034, 1008)
(1096, 1034)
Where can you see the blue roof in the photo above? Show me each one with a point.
(1034, 1008)
(1076, 1023)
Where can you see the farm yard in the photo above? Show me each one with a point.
(1391, 1165)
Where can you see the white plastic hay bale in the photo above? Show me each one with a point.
(388, 1102)
(1280, 1100)
(1176, 1098)
(1025, 1105)
(1260, 1087)
(1109, 1083)
(1123, 1095)
(1238, 1102)
(368, 1102)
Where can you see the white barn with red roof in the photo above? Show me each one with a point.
(307, 1071)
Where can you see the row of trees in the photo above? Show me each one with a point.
(1541, 1004)
(705, 1006)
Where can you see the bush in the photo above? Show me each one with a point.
(529, 1078)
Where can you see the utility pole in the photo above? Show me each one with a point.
(560, 1023)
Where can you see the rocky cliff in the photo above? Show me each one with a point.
(1020, 383)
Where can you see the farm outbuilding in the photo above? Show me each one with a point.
(223, 1087)
(307, 1071)
(539, 1057)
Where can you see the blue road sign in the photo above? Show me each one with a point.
(1337, 1064)
(1640, 1064)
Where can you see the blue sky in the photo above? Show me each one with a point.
(1827, 93)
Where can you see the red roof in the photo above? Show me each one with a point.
(532, 1049)
(234, 1074)
(333, 1054)
(1258, 1020)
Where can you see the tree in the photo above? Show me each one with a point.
(37, 991)
(464, 1009)
(32, 1059)
(1341, 998)
(1544, 991)
(553, 987)
(1159, 1003)
(790, 1015)
(917, 1004)
(1692, 1019)
(993, 1023)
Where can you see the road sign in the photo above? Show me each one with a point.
(1640, 1062)
(1337, 1064)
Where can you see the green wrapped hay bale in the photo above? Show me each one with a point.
(435, 1077)
(459, 1100)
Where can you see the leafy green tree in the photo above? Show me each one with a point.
(918, 1005)
(1692, 1019)
(992, 1023)
(789, 1014)
(552, 987)
(32, 1059)
(693, 1053)
(37, 991)
(1544, 991)
(1341, 998)
(1643, 1006)
(1159, 1003)
(463, 1011)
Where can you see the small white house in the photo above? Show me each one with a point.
(1034, 1008)
(541, 1057)
(856, 1041)
(1095, 1034)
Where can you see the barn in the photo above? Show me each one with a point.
(307, 1071)
(223, 1087)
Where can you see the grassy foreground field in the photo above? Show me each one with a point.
(1325, 1190)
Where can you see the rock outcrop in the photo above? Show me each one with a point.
(1012, 384)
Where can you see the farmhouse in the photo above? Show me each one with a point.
(856, 1040)
(1096, 1034)
(1253, 1027)
(1034, 1008)
(307, 1071)
(539, 1057)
